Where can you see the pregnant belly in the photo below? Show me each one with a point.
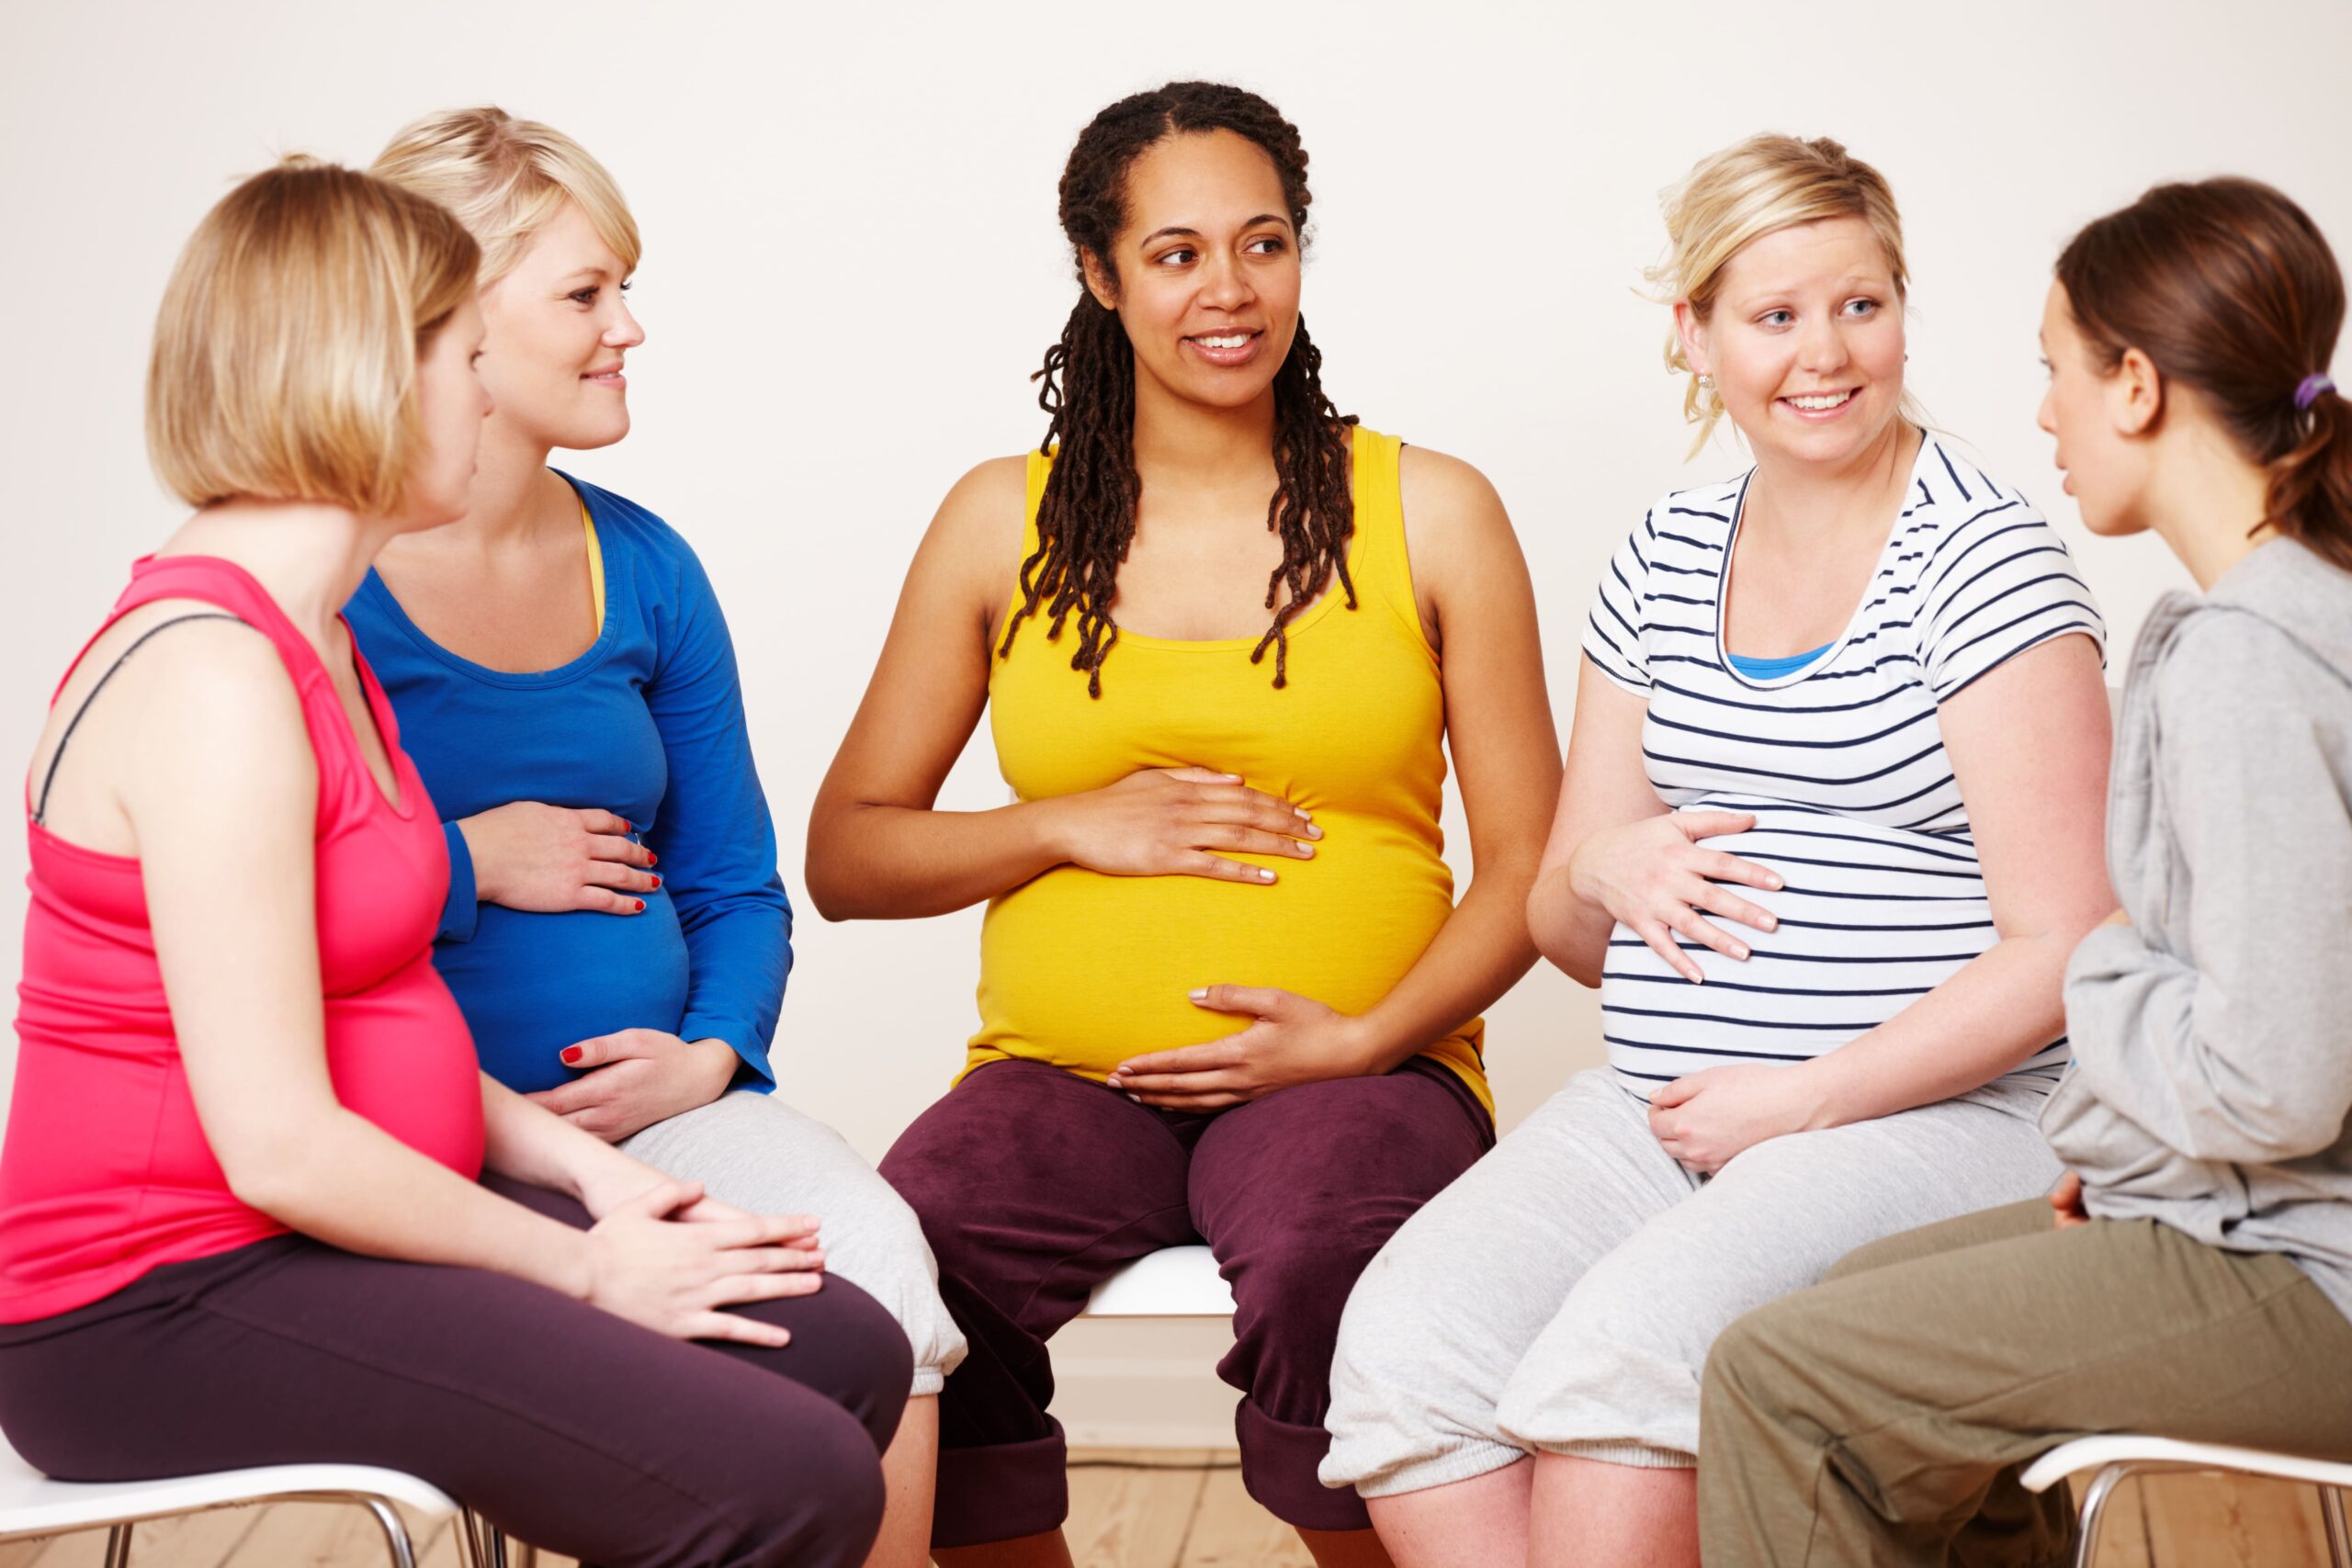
(530, 985)
(1870, 919)
(1083, 970)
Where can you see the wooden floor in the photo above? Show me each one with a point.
(1185, 1508)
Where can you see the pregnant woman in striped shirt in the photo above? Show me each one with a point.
(1830, 826)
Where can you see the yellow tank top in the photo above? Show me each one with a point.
(1082, 971)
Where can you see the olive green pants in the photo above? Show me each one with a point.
(1882, 1415)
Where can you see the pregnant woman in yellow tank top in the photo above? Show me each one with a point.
(1224, 635)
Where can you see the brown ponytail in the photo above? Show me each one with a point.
(2230, 287)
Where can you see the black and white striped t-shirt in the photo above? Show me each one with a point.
(1841, 762)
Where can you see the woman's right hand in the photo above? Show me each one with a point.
(1653, 877)
(646, 1262)
(550, 859)
(1181, 822)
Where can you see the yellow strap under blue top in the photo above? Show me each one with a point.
(595, 566)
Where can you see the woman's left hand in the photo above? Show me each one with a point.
(1705, 1118)
(636, 1077)
(1295, 1040)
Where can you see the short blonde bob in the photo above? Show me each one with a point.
(1739, 195)
(285, 351)
(505, 178)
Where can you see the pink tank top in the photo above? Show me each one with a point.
(105, 1173)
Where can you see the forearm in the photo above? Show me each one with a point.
(535, 1146)
(346, 1182)
(869, 861)
(1480, 953)
(1570, 931)
(1992, 1013)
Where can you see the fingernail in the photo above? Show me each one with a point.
(1740, 953)
(1304, 815)
(1200, 996)
(1770, 924)
(652, 859)
(1301, 850)
(641, 905)
(657, 881)
(1137, 1098)
(1312, 831)
(1265, 873)
(571, 1054)
(1112, 1082)
(1774, 884)
(1698, 979)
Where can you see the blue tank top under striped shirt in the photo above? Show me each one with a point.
(1841, 760)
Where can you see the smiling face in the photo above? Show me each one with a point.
(1205, 274)
(557, 331)
(1804, 341)
(451, 404)
(2094, 411)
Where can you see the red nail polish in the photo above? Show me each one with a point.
(571, 1054)
(641, 905)
(652, 859)
(657, 881)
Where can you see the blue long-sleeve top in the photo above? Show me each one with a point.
(647, 724)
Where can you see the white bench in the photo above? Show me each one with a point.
(2117, 1455)
(33, 1505)
(1176, 1281)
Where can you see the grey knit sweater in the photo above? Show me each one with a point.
(2213, 1035)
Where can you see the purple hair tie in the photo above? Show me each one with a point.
(2308, 391)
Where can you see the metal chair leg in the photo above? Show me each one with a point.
(2094, 1499)
(395, 1528)
(480, 1544)
(2339, 1540)
(119, 1547)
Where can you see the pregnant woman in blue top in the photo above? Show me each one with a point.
(616, 933)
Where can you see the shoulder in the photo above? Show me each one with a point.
(220, 716)
(622, 523)
(1956, 512)
(982, 519)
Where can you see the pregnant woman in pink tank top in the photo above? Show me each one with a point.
(244, 1217)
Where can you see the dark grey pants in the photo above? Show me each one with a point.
(560, 1422)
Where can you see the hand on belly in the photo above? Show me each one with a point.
(1291, 1040)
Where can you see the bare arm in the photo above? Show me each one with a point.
(1616, 853)
(2028, 743)
(1468, 566)
(876, 848)
(225, 740)
(221, 737)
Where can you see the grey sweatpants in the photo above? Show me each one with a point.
(1562, 1295)
(757, 1152)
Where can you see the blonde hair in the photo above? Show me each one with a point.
(285, 363)
(1739, 195)
(505, 178)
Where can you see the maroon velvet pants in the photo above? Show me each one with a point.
(1034, 1185)
(571, 1428)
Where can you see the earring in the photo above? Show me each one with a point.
(1706, 382)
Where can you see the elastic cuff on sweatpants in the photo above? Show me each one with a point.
(1001, 1492)
(1278, 1465)
(1641, 1456)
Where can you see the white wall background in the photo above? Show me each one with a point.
(853, 265)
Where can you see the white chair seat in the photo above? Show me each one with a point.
(1177, 1281)
(31, 1504)
(2141, 1451)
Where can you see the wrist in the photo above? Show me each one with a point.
(716, 1062)
(487, 888)
(1368, 1047)
(1047, 825)
(1827, 1092)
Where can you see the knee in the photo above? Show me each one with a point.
(832, 1510)
(883, 1252)
(1746, 1382)
(874, 1361)
(1388, 1330)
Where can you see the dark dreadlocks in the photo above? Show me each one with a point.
(1086, 520)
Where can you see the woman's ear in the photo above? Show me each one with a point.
(1100, 280)
(2135, 394)
(1693, 333)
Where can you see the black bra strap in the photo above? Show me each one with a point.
(41, 806)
